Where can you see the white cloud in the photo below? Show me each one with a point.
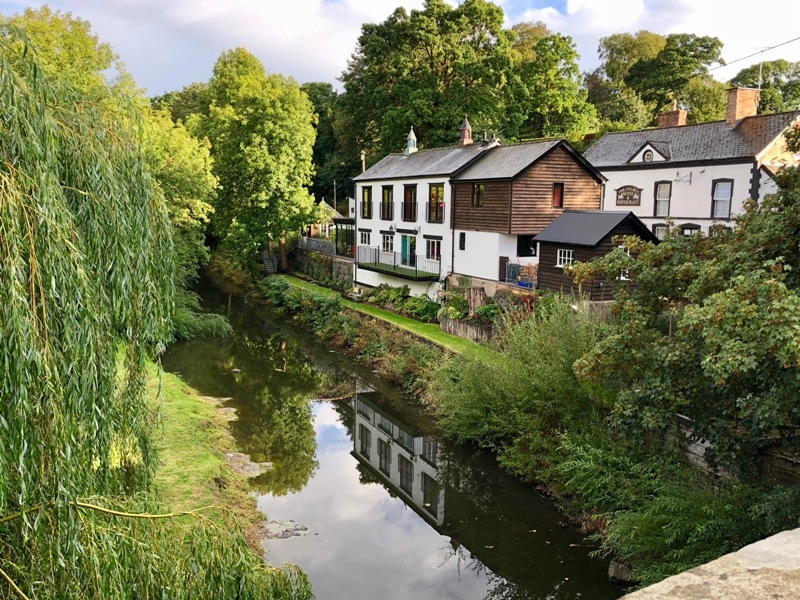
(167, 45)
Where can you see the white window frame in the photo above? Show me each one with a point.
(365, 237)
(564, 257)
(662, 228)
(660, 200)
(718, 201)
(623, 273)
(429, 246)
(387, 243)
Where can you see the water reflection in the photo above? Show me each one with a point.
(392, 511)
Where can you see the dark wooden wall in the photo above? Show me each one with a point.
(532, 205)
(553, 278)
(492, 216)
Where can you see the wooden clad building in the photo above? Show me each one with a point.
(512, 193)
(582, 236)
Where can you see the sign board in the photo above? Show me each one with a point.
(629, 195)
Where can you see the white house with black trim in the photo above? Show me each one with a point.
(698, 176)
(403, 233)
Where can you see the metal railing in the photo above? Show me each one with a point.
(434, 212)
(520, 275)
(401, 264)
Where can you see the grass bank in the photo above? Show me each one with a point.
(192, 438)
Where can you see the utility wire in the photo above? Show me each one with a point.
(754, 54)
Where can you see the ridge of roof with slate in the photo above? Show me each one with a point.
(586, 227)
(699, 142)
(424, 163)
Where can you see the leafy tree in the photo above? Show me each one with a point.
(67, 50)
(262, 135)
(428, 69)
(526, 36)
(665, 77)
(706, 99)
(621, 51)
(191, 100)
(182, 166)
(555, 101)
(710, 330)
(326, 146)
(779, 81)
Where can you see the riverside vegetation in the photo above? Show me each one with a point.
(555, 412)
(86, 289)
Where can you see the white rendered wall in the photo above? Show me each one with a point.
(481, 255)
(690, 201)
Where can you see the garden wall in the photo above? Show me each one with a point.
(333, 271)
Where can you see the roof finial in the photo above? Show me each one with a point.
(411, 143)
(466, 133)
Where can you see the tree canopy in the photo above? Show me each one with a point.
(261, 128)
(779, 82)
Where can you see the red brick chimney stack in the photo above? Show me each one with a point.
(742, 102)
(673, 118)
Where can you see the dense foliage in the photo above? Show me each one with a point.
(261, 131)
(86, 289)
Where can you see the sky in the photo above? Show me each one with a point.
(168, 44)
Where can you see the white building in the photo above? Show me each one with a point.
(403, 234)
(698, 176)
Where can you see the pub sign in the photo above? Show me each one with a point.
(629, 195)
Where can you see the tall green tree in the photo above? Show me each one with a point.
(620, 51)
(779, 81)
(554, 100)
(326, 148)
(427, 69)
(666, 76)
(261, 128)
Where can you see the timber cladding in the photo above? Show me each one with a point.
(553, 278)
(532, 208)
(492, 216)
(524, 205)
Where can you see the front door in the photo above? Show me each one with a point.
(408, 250)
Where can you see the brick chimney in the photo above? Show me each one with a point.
(674, 118)
(742, 102)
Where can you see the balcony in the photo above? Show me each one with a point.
(398, 264)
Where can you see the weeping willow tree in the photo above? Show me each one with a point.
(86, 294)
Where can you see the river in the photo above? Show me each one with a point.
(361, 491)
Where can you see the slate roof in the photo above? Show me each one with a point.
(424, 163)
(506, 162)
(701, 142)
(588, 227)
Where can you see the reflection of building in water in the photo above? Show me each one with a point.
(406, 463)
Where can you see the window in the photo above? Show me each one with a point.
(558, 195)
(647, 156)
(563, 257)
(405, 439)
(662, 193)
(433, 249)
(406, 468)
(660, 231)
(365, 235)
(387, 203)
(365, 436)
(387, 243)
(526, 246)
(385, 424)
(430, 450)
(436, 203)
(478, 190)
(716, 230)
(384, 457)
(430, 494)
(690, 228)
(410, 203)
(721, 194)
(366, 203)
(462, 241)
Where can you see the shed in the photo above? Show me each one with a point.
(582, 236)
